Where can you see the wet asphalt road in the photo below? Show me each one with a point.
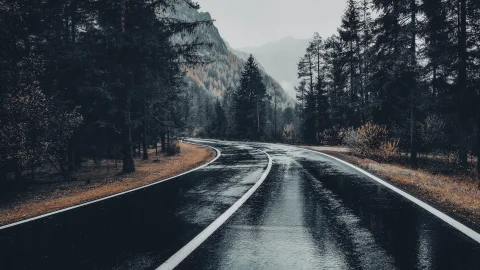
(311, 212)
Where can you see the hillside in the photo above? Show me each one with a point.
(280, 58)
(224, 70)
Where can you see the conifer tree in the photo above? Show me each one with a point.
(250, 102)
(366, 56)
(349, 32)
(306, 70)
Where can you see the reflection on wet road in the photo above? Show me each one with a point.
(315, 213)
(311, 212)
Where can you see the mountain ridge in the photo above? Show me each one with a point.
(280, 58)
(224, 71)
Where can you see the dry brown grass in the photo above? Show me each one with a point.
(329, 148)
(458, 195)
(52, 196)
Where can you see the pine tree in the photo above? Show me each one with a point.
(413, 68)
(349, 32)
(249, 102)
(366, 55)
(218, 123)
(475, 69)
(301, 96)
(336, 80)
(306, 68)
(322, 107)
(301, 93)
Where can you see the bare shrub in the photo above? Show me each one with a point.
(372, 135)
(353, 141)
(371, 140)
(389, 149)
(173, 148)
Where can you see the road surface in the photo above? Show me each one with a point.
(310, 212)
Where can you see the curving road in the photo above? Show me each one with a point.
(258, 206)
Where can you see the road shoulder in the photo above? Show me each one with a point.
(458, 200)
(51, 197)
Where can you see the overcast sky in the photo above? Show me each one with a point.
(247, 23)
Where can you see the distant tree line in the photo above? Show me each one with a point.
(410, 65)
(89, 79)
(254, 110)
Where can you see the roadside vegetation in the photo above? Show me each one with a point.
(438, 179)
(403, 76)
(253, 110)
(49, 192)
(399, 84)
(86, 87)
(90, 80)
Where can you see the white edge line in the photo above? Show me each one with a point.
(117, 194)
(183, 253)
(454, 223)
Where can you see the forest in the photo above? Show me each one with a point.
(106, 80)
(400, 76)
(90, 80)
(255, 109)
(94, 80)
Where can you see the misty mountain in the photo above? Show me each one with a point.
(225, 67)
(244, 56)
(280, 58)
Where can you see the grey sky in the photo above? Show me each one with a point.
(247, 23)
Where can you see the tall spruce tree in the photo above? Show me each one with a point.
(322, 107)
(413, 74)
(336, 80)
(366, 56)
(250, 102)
(306, 70)
(349, 32)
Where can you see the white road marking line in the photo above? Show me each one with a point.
(457, 225)
(183, 253)
(115, 195)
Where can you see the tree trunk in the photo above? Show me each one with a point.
(352, 71)
(413, 88)
(78, 158)
(478, 142)
(144, 146)
(168, 138)
(128, 162)
(162, 141)
(275, 120)
(139, 142)
(462, 85)
(144, 136)
(71, 155)
(311, 73)
(61, 164)
(258, 118)
(478, 138)
(413, 126)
